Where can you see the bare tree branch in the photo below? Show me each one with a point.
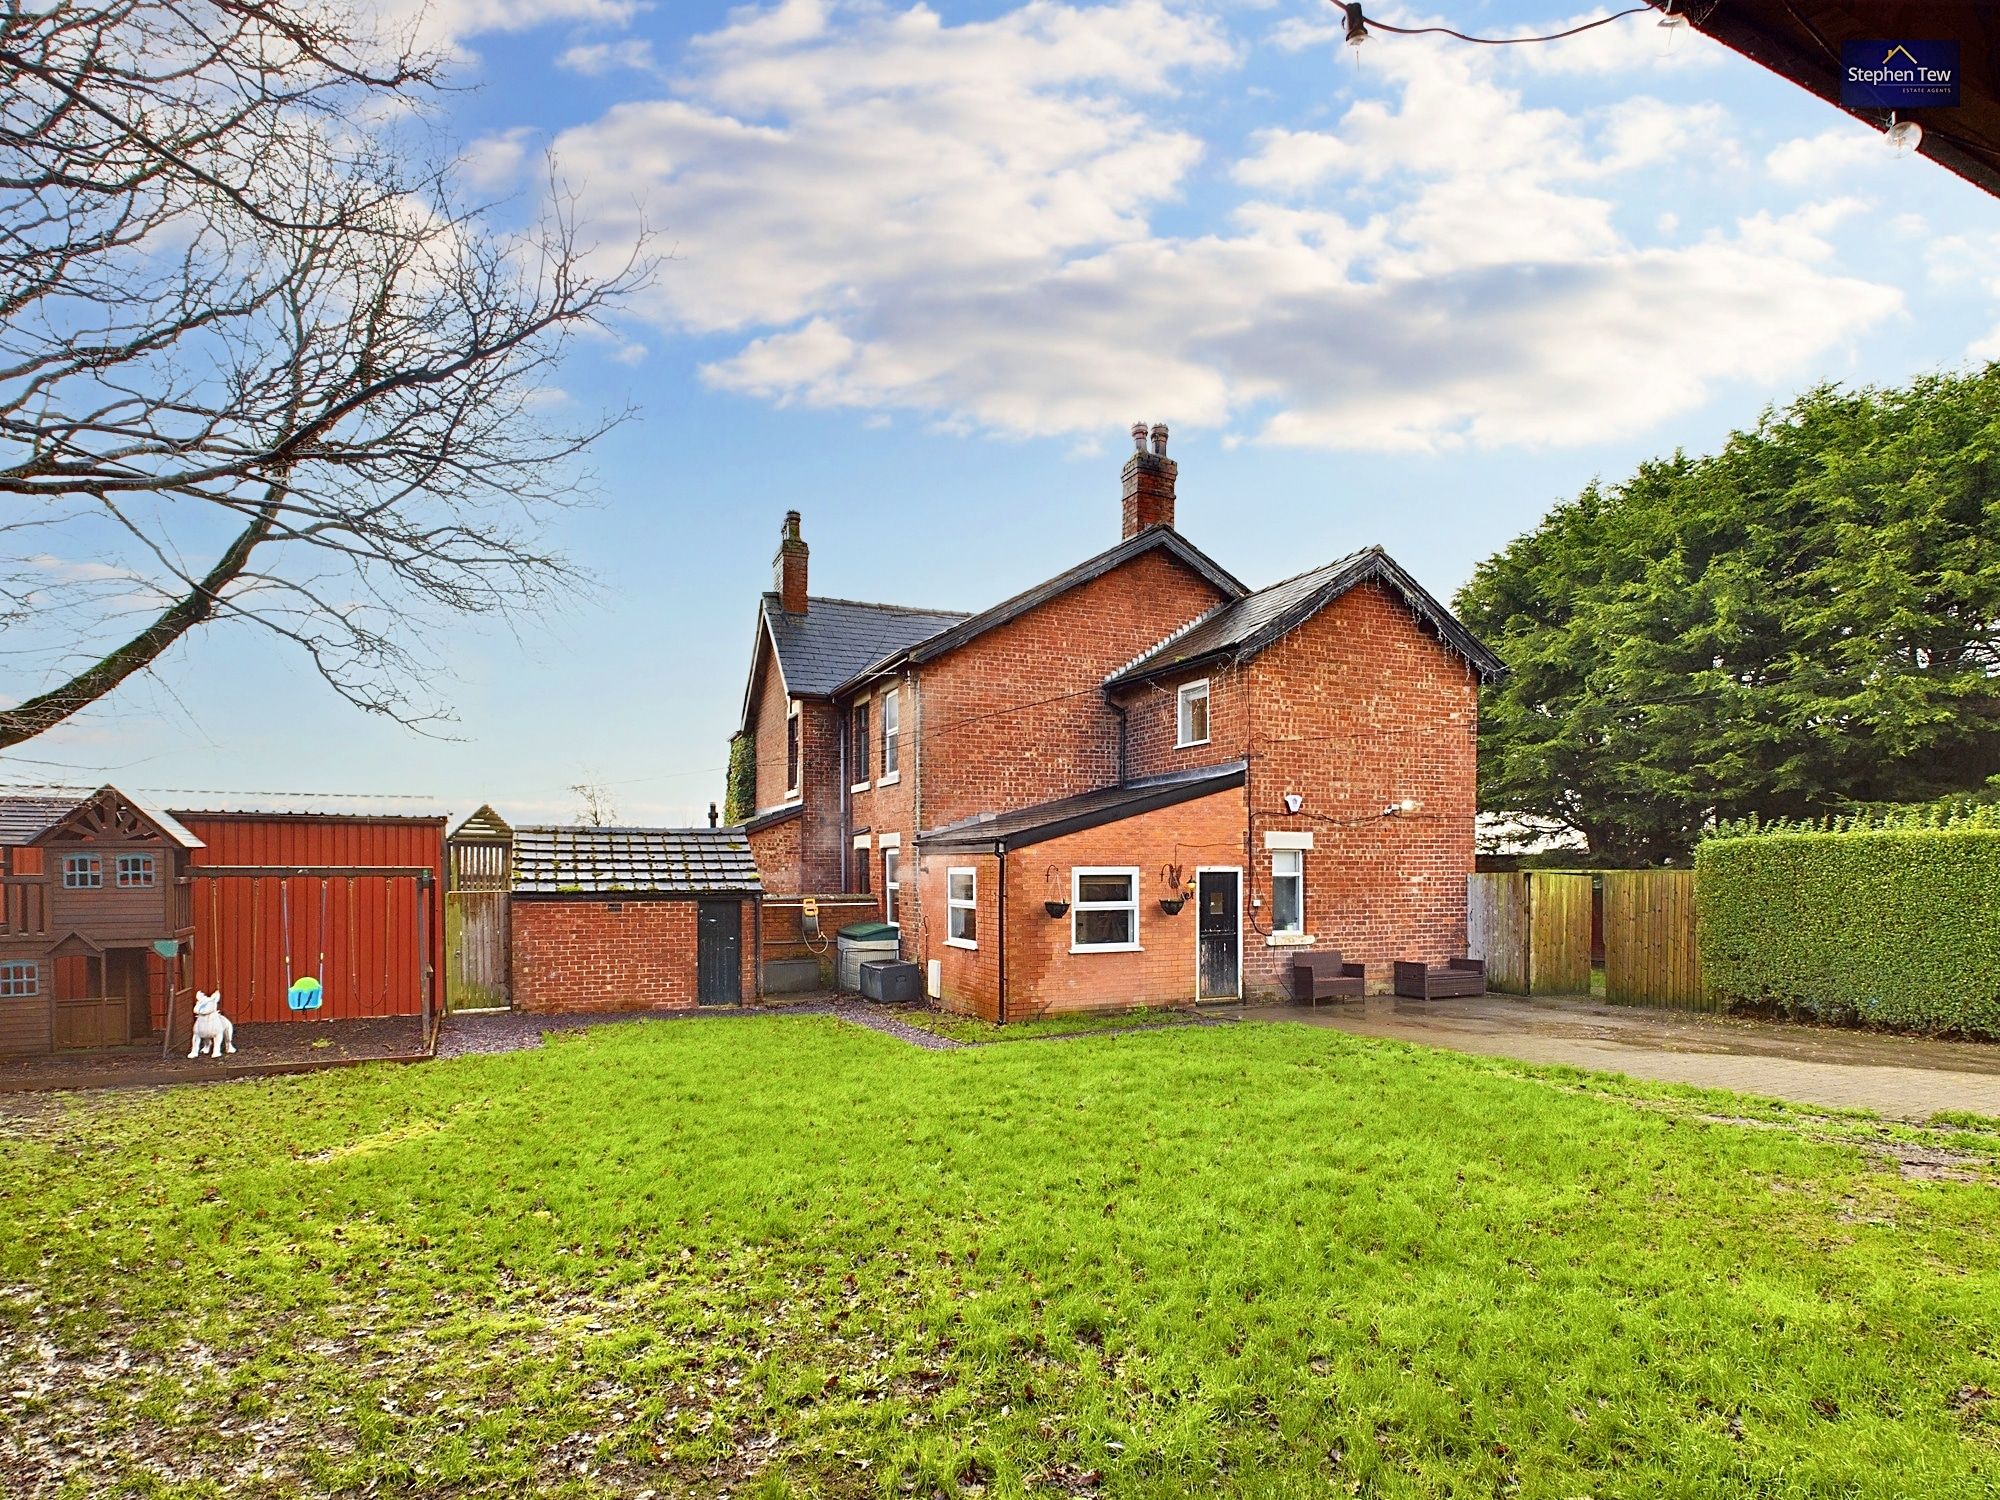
(242, 314)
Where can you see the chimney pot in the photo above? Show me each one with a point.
(714, 818)
(1148, 481)
(788, 568)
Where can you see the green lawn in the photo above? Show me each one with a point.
(788, 1256)
(1073, 1023)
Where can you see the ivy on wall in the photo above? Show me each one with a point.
(739, 796)
(1892, 919)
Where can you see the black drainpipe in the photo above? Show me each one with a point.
(1000, 850)
(1119, 709)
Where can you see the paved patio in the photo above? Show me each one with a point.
(1906, 1078)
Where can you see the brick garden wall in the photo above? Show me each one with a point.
(595, 955)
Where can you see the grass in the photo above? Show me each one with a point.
(1071, 1023)
(789, 1257)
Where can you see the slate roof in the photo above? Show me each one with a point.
(22, 816)
(836, 638)
(1245, 626)
(567, 860)
(1048, 820)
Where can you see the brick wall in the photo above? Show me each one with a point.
(1359, 707)
(969, 978)
(600, 955)
(818, 858)
(1017, 716)
(1152, 723)
(776, 850)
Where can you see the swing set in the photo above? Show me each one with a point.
(303, 944)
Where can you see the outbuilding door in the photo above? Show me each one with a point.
(719, 953)
(1219, 934)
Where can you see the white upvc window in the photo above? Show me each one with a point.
(892, 882)
(1191, 714)
(892, 737)
(1288, 890)
(961, 899)
(1104, 911)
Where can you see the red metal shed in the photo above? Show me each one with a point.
(373, 939)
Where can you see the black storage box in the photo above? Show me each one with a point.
(891, 979)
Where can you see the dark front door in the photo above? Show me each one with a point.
(1218, 900)
(719, 953)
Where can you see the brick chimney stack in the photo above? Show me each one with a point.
(788, 568)
(1149, 480)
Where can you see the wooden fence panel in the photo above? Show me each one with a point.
(475, 944)
(1650, 953)
(1497, 928)
(1558, 933)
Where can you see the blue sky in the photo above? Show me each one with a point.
(929, 265)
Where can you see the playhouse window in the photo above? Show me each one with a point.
(134, 871)
(1288, 890)
(1193, 714)
(82, 872)
(892, 735)
(961, 899)
(18, 981)
(1104, 914)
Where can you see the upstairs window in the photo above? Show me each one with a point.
(961, 899)
(857, 743)
(1193, 714)
(1288, 890)
(135, 871)
(19, 981)
(82, 872)
(1104, 916)
(792, 749)
(892, 734)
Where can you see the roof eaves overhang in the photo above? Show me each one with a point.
(1145, 799)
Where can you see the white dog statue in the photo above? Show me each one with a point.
(211, 1027)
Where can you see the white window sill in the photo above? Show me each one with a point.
(860, 786)
(891, 779)
(952, 942)
(1189, 744)
(793, 795)
(1289, 940)
(1106, 948)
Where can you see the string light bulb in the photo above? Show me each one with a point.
(1355, 23)
(1904, 135)
(1670, 21)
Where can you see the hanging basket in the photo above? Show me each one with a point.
(1056, 908)
(1172, 905)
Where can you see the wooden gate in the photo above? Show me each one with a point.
(475, 946)
(1650, 956)
(1533, 929)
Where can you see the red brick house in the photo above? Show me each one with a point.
(1140, 782)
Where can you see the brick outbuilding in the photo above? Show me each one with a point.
(633, 918)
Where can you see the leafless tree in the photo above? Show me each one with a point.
(596, 807)
(258, 362)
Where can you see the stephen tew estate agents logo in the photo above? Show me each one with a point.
(1899, 75)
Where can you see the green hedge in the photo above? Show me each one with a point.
(1897, 925)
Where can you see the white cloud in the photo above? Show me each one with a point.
(493, 162)
(1840, 152)
(594, 59)
(881, 211)
(444, 23)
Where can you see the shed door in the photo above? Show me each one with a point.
(1218, 898)
(719, 953)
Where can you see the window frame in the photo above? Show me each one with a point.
(892, 884)
(857, 745)
(794, 749)
(953, 906)
(1078, 906)
(140, 860)
(1298, 926)
(1186, 694)
(892, 738)
(84, 862)
(11, 979)
(858, 873)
